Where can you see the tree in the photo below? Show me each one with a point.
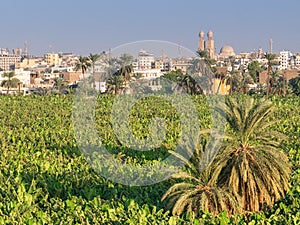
(83, 63)
(10, 82)
(126, 72)
(239, 81)
(254, 68)
(204, 55)
(251, 162)
(93, 58)
(188, 85)
(270, 58)
(173, 76)
(197, 191)
(115, 83)
(277, 83)
(60, 83)
(126, 59)
(295, 85)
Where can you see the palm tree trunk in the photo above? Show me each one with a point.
(284, 87)
(268, 82)
(231, 85)
(94, 85)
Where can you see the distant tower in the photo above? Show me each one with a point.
(210, 44)
(260, 53)
(17, 51)
(271, 46)
(26, 49)
(201, 42)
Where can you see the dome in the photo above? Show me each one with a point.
(227, 51)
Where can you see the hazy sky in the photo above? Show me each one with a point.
(93, 26)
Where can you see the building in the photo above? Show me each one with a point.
(7, 60)
(17, 51)
(297, 60)
(284, 59)
(52, 59)
(208, 45)
(71, 77)
(226, 52)
(286, 74)
(201, 42)
(145, 60)
(181, 66)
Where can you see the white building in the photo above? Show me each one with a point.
(297, 61)
(8, 61)
(145, 60)
(285, 57)
(23, 76)
(149, 74)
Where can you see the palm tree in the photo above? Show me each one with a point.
(126, 59)
(197, 191)
(245, 81)
(93, 58)
(295, 85)
(188, 85)
(251, 163)
(60, 83)
(277, 83)
(270, 58)
(10, 81)
(254, 69)
(126, 72)
(239, 82)
(83, 63)
(204, 55)
(114, 83)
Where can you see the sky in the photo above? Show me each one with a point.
(94, 26)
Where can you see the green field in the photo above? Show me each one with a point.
(44, 178)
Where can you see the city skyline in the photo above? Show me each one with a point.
(94, 26)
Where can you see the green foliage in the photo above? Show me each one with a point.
(44, 179)
(254, 69)
(295, 85)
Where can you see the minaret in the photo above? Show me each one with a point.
(201, 42)
(271, 46)
(210, 44)
(26, 49)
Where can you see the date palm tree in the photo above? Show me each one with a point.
(60, 84)
(250, 172)
(270, 58)
(93, 58)
(83, 63)
(251, 162)
(126, 71)
(188, 85)
(115, 83)
(197, 191)
(10, 81)
(204, 55)
(295, 85)
(254, 69)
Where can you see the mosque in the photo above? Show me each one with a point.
(209, 46)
